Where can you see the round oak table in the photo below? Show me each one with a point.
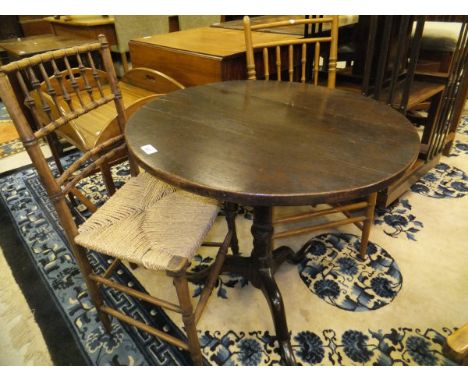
(266, 144)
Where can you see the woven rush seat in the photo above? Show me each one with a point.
(150, 223)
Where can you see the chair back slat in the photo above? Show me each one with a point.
(291, 63)
(278, 62)
(371, 42)
(97, 78)
(84, 75)
(303, 62)
(74, 84)
(457, 80)
(266, 64)
(50, 89)
(383, 55)
(316, 62)
(397, 64)
(59, 77)
(413, 60)
(294, 52)
(41, 105)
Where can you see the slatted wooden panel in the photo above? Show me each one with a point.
(448, 114)
(393, 80)
(391, 59)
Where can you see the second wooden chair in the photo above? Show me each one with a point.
(290, 60)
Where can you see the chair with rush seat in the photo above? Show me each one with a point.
(146, 221)
(288, 61)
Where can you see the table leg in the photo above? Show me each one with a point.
(262, 267)
(259, 269)
(230, 209)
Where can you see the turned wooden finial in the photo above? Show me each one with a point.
(249, 49)
(103, 40)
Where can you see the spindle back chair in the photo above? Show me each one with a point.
(359, 213)
(146, 222)
(276, 54)
(63, 84)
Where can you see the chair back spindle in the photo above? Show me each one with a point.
(294, 53)
(56, 93)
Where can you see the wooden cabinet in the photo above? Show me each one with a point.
(34, 25)
(197, 56)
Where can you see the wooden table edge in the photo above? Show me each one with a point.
(82, 23)
(268, 200)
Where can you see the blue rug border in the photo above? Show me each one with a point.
(146, 307)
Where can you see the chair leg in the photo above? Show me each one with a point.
(93, 288)
(188, 317)
(367, 224)
(230, 209)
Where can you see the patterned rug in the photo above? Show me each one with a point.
(9, 143)
(395, 308)
(10, 148)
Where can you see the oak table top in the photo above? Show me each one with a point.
(273, 143)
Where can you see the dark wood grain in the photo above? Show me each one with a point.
(270, 143)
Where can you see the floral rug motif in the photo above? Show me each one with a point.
(223, 282)
(462, 128)
(458, 148)
(333, 271)
(443, 181)
(397, 219)
(398, 347)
